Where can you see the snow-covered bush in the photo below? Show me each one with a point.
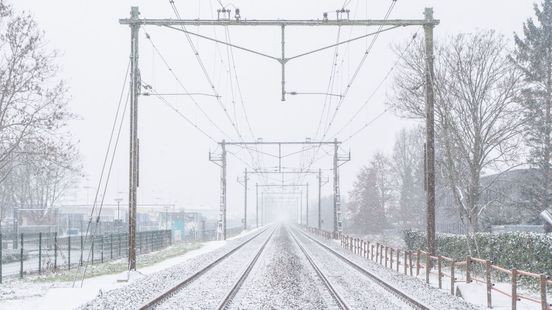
(521, 250)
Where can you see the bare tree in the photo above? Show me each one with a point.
(478, 121)
(407, 170)
(32, 98)
(36, 153)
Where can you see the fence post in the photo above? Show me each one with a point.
(55, 250)
(21, 258)
(468, 264)
(514, 289)
(398, 260)
(544, 304)
(452, 278)
(418, 263)
(119, 245)
(81, 248)
(1, 247)
(102, 249)
(372, 252)
(427, 267)
(410, 260)
(68, 252)
(39, 253)
(140, 241)
(391, 258)
(92, 250)
(489, 283)
(386, 256)
(439, 271)
(377, 252)
(111, 246)
(405, 260)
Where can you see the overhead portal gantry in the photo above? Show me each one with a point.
(221, 161)
(225, 20)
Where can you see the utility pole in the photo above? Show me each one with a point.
(257, 205)
(245, 200)
(221, 162)
(319, 198)
(222, 220)
(337, 162)
(307, 207)
(430, 130)
(336, 198)
(262, 209)
(133, 162)
(301, 208)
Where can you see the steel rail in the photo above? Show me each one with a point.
(225, 303)
(339, 301)
(393, 290)
(171, 291)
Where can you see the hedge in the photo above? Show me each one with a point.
(521, 250)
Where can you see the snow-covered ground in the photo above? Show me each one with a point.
(33, 293)
(282, 278)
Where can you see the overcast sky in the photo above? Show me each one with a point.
(174, 155)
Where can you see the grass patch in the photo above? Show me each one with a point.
(117, 266)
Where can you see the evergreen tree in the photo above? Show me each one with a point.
(369, 197)
(533, 54)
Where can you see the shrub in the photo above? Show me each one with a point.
(521, 250)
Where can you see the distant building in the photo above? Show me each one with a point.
(504, 201)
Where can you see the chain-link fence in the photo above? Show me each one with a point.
(36, 253)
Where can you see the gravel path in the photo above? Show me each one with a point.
(432, 297)
(137, 293)
(282, 279)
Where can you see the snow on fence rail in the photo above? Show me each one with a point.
(443, 267)
(35, 253)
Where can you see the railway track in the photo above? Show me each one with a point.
(159, 299)
(393, 290)
(338, 299)
(227, 301)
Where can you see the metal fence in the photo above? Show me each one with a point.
(36, 253)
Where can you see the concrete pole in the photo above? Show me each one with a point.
(319, 198)
(245, 200)
(257, 205)
(133, 162)
(223, 192)
(430, 131)
(307, 207)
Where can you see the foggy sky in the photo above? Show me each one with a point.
(174, 156)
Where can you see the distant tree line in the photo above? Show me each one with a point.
(493, 114)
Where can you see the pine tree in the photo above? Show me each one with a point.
(533, 54)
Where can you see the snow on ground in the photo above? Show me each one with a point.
(282, 279)
(147, 287)
(210, 289)
(428, 295)
(358, 291)
(35, 293)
